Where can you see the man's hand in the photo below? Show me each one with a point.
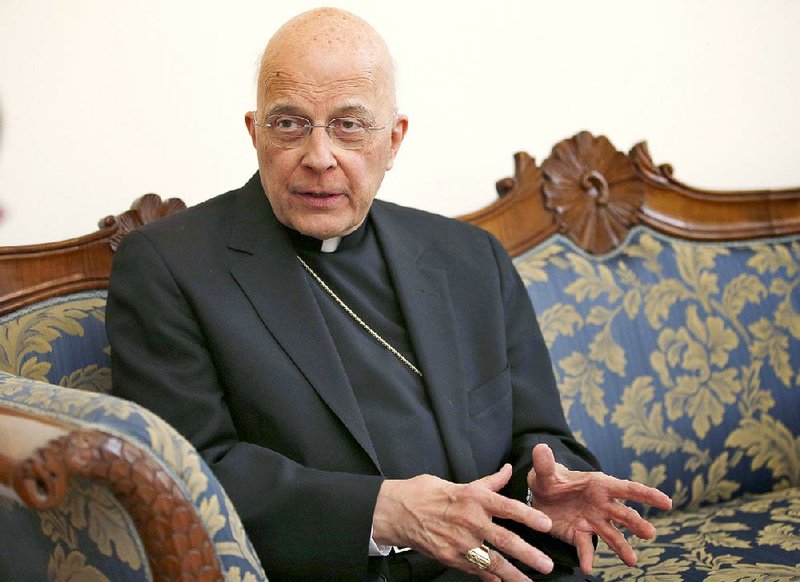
(581, 504)
(445, 520)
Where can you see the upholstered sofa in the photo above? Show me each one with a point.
(93, 487)
(673, 320)
(672, 315)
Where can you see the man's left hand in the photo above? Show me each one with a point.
(581, 504)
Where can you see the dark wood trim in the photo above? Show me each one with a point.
(594, 194)
(31, 273)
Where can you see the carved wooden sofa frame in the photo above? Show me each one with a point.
(593, 205)
(597, 235)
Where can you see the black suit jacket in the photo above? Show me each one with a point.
(214, 327)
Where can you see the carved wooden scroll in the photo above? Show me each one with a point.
(34, 272)
(594, 195)
(177, 545)
(146, 209)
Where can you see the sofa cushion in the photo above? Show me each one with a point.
(677, 361)
(750, 538)
(61, 341)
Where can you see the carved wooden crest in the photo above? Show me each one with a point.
(594, 191)
(144, 210)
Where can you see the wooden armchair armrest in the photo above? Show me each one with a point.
(39, 457)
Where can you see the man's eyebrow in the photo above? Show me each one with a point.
(354, 110)
(284, 109)
(346, 110)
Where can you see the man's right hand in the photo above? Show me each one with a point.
(445, 520)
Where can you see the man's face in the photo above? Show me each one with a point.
(319, 188)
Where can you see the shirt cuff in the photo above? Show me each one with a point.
(375, 549)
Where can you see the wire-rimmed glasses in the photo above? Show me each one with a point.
(292, 131)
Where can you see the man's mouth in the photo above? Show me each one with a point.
(321, 194)
(320, 198)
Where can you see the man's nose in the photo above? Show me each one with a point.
(318, 154)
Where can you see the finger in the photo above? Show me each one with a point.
(629, 518)
(617, 542)
(507, 508)
(510, 543)
(633, 491)
(461, 562)
(496, 481)
(544, 463)
(585, 547)
(504, 569)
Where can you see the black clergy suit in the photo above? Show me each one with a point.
(214, 325)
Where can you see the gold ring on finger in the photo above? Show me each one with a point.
(479, 557)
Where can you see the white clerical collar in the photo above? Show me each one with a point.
(329, 245)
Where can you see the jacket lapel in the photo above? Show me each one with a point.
(265, 267)
(424, 297)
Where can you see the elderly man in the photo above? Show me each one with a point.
(363, 378)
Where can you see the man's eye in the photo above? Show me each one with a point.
(349, 124)
(288, 124)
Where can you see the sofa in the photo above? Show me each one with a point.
(672, 315)
(673, 319)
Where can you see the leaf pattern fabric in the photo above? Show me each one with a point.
(91, 529)
(61, 341)
(679, 366)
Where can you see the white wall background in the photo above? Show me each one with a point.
(102, 101)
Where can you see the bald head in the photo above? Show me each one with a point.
(329, 41)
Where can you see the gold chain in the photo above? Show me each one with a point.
(358, 320)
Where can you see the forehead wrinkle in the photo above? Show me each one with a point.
(282, 80)
(340, 95)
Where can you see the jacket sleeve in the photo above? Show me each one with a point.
(304, 523)
(538, 416)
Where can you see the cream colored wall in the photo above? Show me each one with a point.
(103, 101)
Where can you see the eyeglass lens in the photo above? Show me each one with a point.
(292, 131)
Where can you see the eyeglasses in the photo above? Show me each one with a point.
(292, 131)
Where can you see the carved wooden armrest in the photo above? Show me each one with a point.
(38, 457)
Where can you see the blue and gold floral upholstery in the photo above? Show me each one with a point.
(679, 366)
(61, 343)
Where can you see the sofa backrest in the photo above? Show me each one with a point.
(60, 340)
(672, 316)
(52, 301)
(678, 362)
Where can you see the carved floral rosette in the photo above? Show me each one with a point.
(594, 191)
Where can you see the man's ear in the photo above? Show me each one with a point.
(250, 122)
(398, 133)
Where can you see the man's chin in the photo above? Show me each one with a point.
(323, 230)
